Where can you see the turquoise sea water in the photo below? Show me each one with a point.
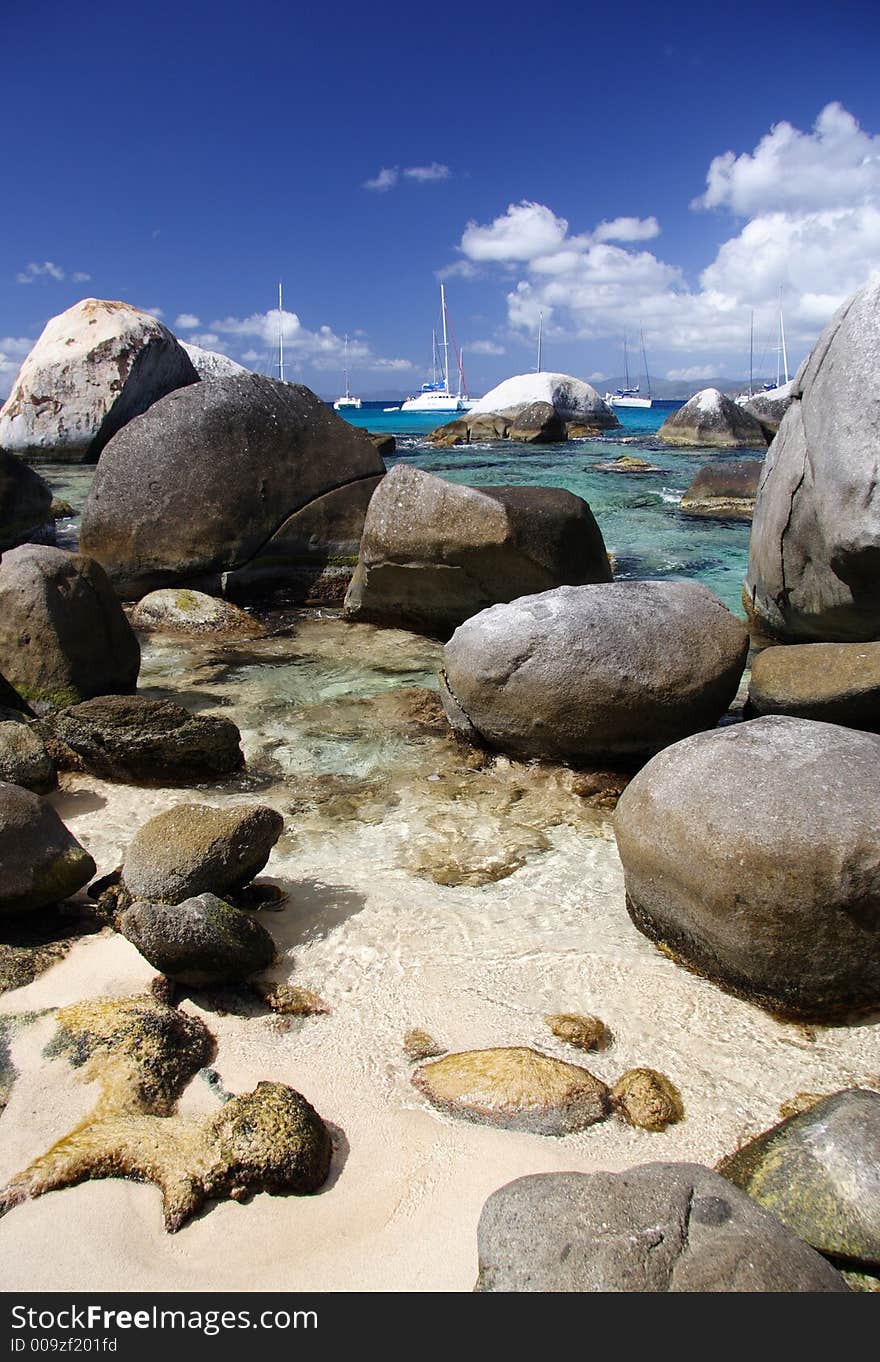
(637, 512)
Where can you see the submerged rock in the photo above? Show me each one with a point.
(586, 673)
(40, 861)
(710, 418)
(835, 683)
(820, 1173)
(134, 738)
(434, 553)
(660, 1227)
(516, 1088)
(724, 490)
(23, 758)
(94, 367)
(647, 1099)
(771, 896)
(63, 634)
(814, 552)
(202, 940)
(25, 501)
(587, 1033)
(200, 483)
(182, 611)
(195, 849)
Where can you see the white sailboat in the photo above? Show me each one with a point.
(347, 401)
(629, 396)
(436, 395)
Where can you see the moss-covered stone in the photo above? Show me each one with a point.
(587, 1033)
(647, 1099)
(419, 1045)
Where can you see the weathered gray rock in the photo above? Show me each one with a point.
(40, 861)
(210, 364)
(594, 672)
(516, 1088)
(25, 501)
(63, 634)
(179, 610)
(711, 419)
(814, 553)
(134, 738)
(207, 476)
(752, 853)
(724, 490)
(770, 407)
(23, 758)
(312, 556)
(434, 553)
(820, 1173)
(200, 941)
(195, 849)
(571, 398)
(836, 683)
(660, 1227)
(94, 367)
(533, 423)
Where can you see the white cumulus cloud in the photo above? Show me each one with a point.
(321, 349)
(485, 347)
(527, 231)
(389, 176)
(48, 270)
(435, 171)
(386, 179)
(627, 229)
(186, 321)
(695, 373)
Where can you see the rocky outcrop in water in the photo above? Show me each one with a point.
(200, 483)
(202, 940)
(194, 849)
(40, 861)
(724, 490)
(660, 1227)
(836, 683)
(820, 1173)
(752, 854)
(591, 673)
(516, 1088)
(533, 408)
(814, 553)
(711, 419)
(178, 610)
(63, 634)
(94, 367)
(133, 738)
(25, 501)
(434, 553)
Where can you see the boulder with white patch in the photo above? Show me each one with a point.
(711, 419)
(210, 364)
(94, 367)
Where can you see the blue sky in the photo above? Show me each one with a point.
(665, 165)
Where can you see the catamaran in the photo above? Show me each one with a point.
(347, 401)
(436, 395)
(628, 396)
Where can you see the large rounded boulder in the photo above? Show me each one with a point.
(724, 490)
(752, 854)
(814, 553)
(203, 940)
(41, 862)
(94, 367)
(661, 1227)
(711, 419)
(580, 674)
(200, 482)
(836, 683)
(25, 501)
(63, 634)
(194, 849)
(434, 553)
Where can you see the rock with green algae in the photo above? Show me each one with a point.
(195, 849)
(647, 1099)
(819, 1172)
(419, 1045)
(143, 1052)
(23, 758)
(41, 862)
(138, 739)
(289, 1000)
(179, 610)
(202, 940)
(587, 1033)
(516, 1088)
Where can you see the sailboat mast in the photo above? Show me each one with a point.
(782, 338)
(280, 334)
(625, 365)
(540, 339)
(345, 370)
(445, 338)
(645, 362)
(751, 352)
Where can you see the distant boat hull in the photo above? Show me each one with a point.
(440, 403)
(343, 403)
(626, 400)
